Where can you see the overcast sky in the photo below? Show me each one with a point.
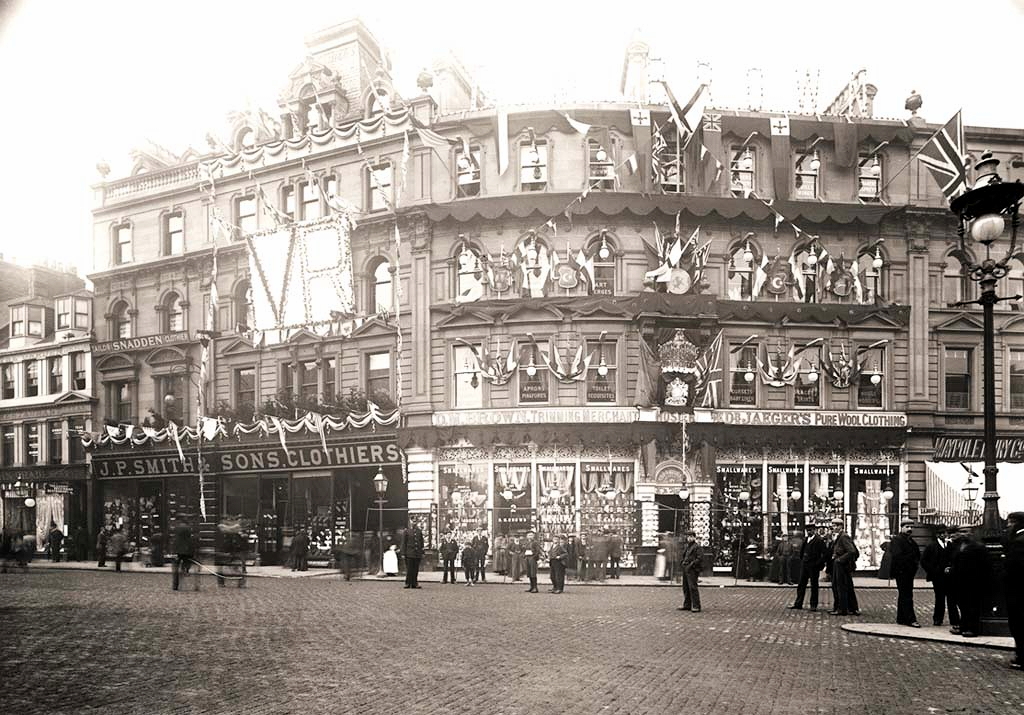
(81, 81)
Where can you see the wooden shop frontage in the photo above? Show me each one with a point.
(276, 476)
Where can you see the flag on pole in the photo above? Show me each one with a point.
(631, 163)
(580, 127)
(211, 321)
(641, 121)
(404, 168)
(944, 157)
(781, 169)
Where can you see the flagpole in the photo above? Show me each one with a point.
(910, 161)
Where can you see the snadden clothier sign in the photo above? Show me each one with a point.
(145, 342)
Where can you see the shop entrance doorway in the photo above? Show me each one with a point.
(672, 517)
(274, 522)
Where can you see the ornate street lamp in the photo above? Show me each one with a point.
(970, 491)
(380, 486)
(982, 212)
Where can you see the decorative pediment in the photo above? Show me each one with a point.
(962, 322)
(374, 326)
(466, 317)
(1014, 325)
(533, 312)
(74, 397)
(606, 310)
(238, 346)
(114, 362)
(166, 356)
(303, 337)
(877, 320)
(309, 80)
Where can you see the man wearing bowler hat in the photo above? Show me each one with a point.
(844, 562)
(935, 562)
(813, 554)
(1015, 584)
(690, 563)
(906, 555)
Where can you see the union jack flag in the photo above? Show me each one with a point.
(709, 373)
(944, 157)
(712, 122)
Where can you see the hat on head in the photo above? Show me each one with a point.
(907, 522)
(838, 521)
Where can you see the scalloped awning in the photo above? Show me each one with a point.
(614, 204)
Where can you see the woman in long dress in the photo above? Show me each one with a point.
(515, 554)
(501, 554)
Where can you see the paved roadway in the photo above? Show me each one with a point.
(87, 641)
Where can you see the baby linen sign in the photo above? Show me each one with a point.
(301, 275)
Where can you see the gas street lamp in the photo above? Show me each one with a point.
(380, 486)
(982, 212)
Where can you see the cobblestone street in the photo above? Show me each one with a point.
(89, 641)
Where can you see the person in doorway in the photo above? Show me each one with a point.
(935, 562)
(1014, 550)
(518, 561)
(690, 563)
(906, 555)
(844, 561)
(813, 555)
(102, 541)
(119, 545)
(300, 551)
(558, 559)
(481, 545)
(54, 541)
(614, 553)
(412, 550)
(468, 562)
(969, 569)
(449, 552)
(531, 551)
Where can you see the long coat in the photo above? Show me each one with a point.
(412, 543)
(692, 558)
(934, 561)
(813, 553)
(844, 552)
(905, 553)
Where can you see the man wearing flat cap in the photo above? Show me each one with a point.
(906, 555)
(690, 563)
(1015, 584)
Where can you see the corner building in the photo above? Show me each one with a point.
(582, 318)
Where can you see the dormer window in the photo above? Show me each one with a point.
(72, 313)
(601, 167)
(805, 176)
(122, 244)
(742, 170)
(869, 178)
(467, 172)
(27, 321)
(533, 162)
(174, 234)
(312, 117)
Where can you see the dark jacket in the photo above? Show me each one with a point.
(468, 556)
(691, 557)
(845, 552)
(1015, 565)
(481, 545)
(615, 547)
(559, 553)
(934, 560)
(905, 555)
(412, 543)
(183, 540)
(814, 552)
(300, 544)
(534, 547)
(969, 566)
(449, 549)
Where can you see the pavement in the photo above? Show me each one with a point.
(83, 640)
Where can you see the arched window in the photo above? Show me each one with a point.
(243, 307)
(378, 102)
(381, 289)
(600, 254)
(534, 260)
(120, 321)
(956, 286)
(872, 270)
(1011, 285)
(174, 314)
(743, 257)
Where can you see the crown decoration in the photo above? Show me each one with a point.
(678, 355)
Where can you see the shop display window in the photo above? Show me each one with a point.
(182, 500)
(462, 498)
(607, 502)
(738, 522)
(513, 499)
(823, 483)
(786, 498)
(151, 526)
(556, 500)
(120, 509)
(274, 518)
(241, 499)
(874, 510)
(312, 510)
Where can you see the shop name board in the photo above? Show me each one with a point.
(250, 459)
(62, 473)
(972, 449)
(143, 343)
(797, 418)
(535, 416)
(78, 408)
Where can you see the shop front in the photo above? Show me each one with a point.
(774, 477)
(31, 498)
(273, 487)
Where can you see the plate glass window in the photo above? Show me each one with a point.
(740, 273)
(956, 286)
(55, 446)
(741, 364)
(31, 432)
(55, 374)
(380, 182)
(7, 381)
(31, 378)
(468, 385)
(309, 379)
(602, 169)
(288, 201)
(329, 368)
(871, 379)
(533, 163)
(121, 402)
(123, 247)
(175, 320)
(601, 373)
(170, 390)
(378, 375)
(310, 202)
(1017, 380)
(7, 445)
(383, 295)
(245, 387)
(742, 170)
(958, 378)
(76, 428)
(533, 389)
(174, 234)
(807, 389)
(245, 214)
(78, 371)
(668, 157)
(805, 176)
(869, 178)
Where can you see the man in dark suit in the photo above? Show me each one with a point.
(449, 551)
(1015, 584)
(185, 552)
(690, 563)
(935, 562)
(558, 559)
(844, 562)
(969, 570)
(532, 553)
(481, 545)
(412, 549)
(812, 559)
(906, 555)
(614, 552)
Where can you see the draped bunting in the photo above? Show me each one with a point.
(311, 422)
